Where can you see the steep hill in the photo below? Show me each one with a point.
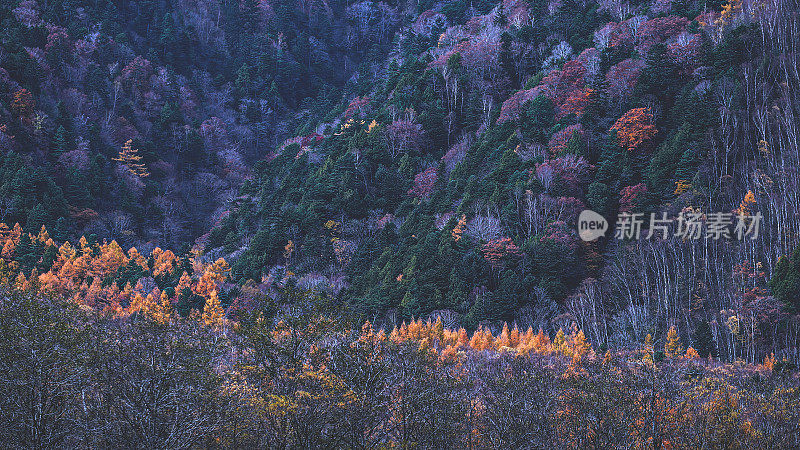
(417, 158)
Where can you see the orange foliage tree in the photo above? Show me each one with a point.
(500, 251)
(635, 128)
(23, 105)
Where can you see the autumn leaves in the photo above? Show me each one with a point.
(635, 128)
(104, 277)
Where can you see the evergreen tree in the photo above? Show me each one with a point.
(25, 253)
(36, 217)
(704, 340)
(785, 282)
(59, 145)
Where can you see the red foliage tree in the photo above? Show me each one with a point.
(659, 30)
(58, 44)
(357, 106)
(575, 103)
(137, 72)
(630, 196)
(498, 251)
(513, 105)
(686, 50)
(558, 142)
(560, 233)
(622, 77)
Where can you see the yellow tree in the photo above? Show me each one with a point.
(43, 236)
(8, 249)
(559, 345)
(504, 339)
(161, 311)
(580, 347)
(458, 230)
(648, 349)
(135, 256)
(136, 304)
(111, 258)
(213, 313)
(212, 276)
(130, 158)
(747, 204)
(673, 348)
(163, 261)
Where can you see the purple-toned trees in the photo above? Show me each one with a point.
(558, 142)
(424, 183)
(403, 136)
(621, 78)
(685, 50)
(659, 30)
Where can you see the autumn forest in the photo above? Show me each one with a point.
(404, 224)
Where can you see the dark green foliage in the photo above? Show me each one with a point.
(536, 119)
(785, 282)
(704, 340)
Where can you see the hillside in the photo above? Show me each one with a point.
(201, 89)
(400, 215)
(454, 185)
(406, 159)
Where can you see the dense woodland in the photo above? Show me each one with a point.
(315, 380)
(354, 223)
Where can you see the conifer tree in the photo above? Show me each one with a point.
(704, 340)
(213, 313)
(131, 159)
(672, 347)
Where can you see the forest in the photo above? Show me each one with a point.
(356, 224)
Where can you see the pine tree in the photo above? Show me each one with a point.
(507, 59)
(59, 140)
(704, 340)
(251, 15)
(25, 252)
(785, 281)
(37, 217)
(61, 230)
(243, 81)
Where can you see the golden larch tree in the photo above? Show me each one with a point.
(213, 313)
(673, 348)
(130, 158)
